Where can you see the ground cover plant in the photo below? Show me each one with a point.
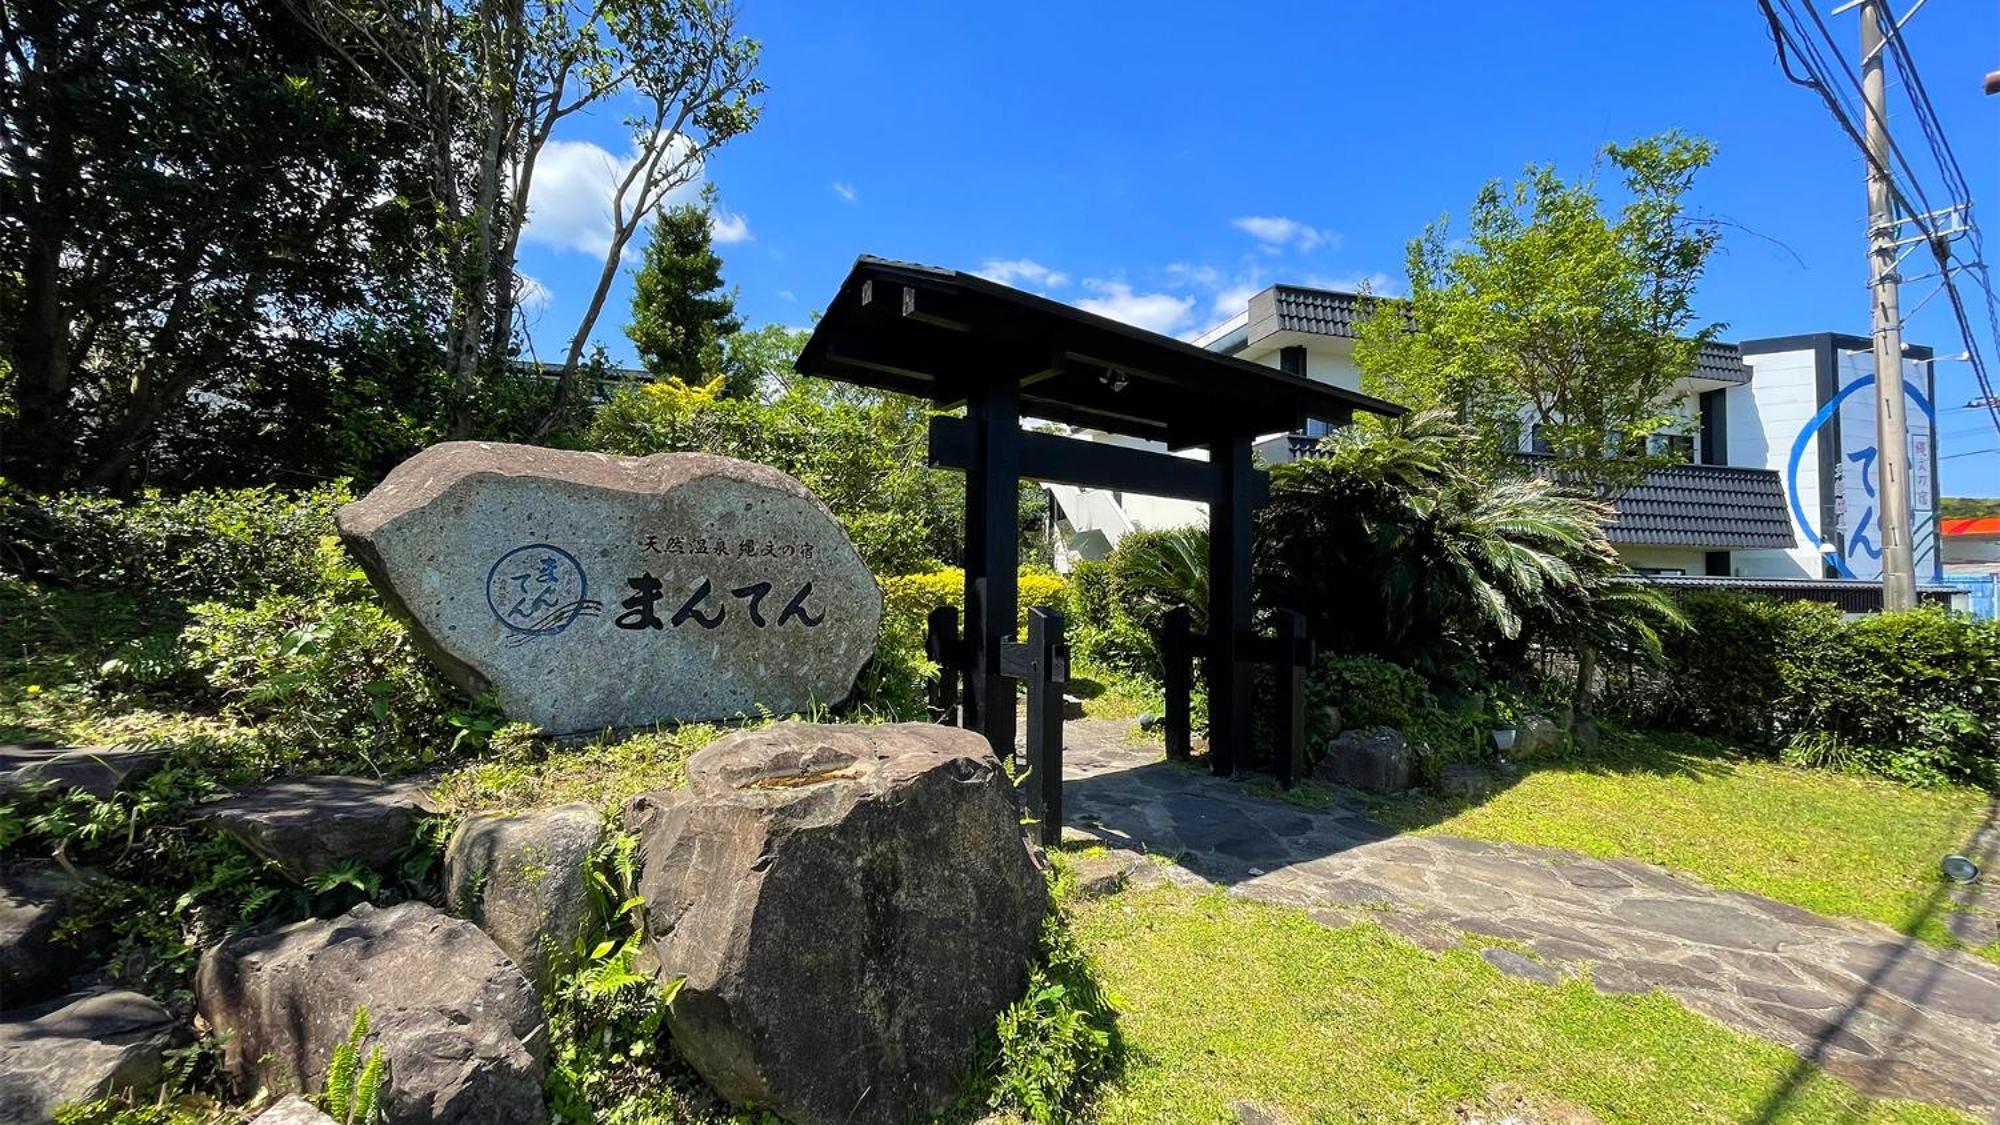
(1226, 1003)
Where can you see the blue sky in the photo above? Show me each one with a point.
(1155, 161)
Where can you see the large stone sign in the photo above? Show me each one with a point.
(596, 591)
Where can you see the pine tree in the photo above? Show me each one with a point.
(680, 311)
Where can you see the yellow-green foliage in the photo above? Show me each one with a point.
(907, 599)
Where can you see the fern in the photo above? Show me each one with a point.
(368, 1088)
(353, 1085)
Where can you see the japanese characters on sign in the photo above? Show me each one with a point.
(539, 590)
(724, 546)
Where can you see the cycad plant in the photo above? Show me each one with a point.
(1396, 543)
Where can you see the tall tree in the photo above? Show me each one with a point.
(681, 313)
(1548, 311)
(757, 362)
(192, 197)
(489, 81)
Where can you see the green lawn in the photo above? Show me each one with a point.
(1828, 842)
(1226, 1001)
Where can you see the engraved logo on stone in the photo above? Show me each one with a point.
(538, 591)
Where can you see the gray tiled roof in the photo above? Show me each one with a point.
(1714, 507)
(1329, 312)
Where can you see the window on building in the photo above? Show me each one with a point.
(1292, 360)
(1679, 446)
(1538, 439)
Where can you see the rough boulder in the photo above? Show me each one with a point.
(522, 880)
(851, 907)
(78, 1048)
(459, 1024)
(308, 824)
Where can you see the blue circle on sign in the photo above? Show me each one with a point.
(537, 590)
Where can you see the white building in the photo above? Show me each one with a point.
(1781, 479)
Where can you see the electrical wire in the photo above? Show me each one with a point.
(1795, 42)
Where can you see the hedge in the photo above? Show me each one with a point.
(1913, 696)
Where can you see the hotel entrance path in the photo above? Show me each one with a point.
(1893, 1016)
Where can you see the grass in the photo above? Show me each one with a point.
(1832, 843)
(603, 772)
(1225, 1001)
(1108, 694)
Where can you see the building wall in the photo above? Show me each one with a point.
(1764, 419)
(1976, 551)
(1792, 380)
(1687, 560)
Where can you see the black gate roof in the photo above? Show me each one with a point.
(938, 333)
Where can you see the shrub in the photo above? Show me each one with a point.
(894, 682)
(1728, 674)
(1153, 572)
(1369, 693)
(863, 456)
(1393, 545)
(225, 544)
(1912, 696)
(331, 680)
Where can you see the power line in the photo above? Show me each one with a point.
(1794, 42)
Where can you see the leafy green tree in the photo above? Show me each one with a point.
(865, 458)
(193, 203)
(487, 82)
(1968, 507)
(758, 361)
(1551, 311)
(681, 313)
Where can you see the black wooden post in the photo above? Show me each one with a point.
(1177, 673)
(942, 645)
(1050, 671)
(992, 560)
(1291, 655)
(1229, 603)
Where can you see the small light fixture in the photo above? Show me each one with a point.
(1503, 739)
(1115, 379)
(1959, 869)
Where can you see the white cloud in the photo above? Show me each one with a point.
(844, 191)
(788, 295)
(1022, 273)
(726, 227)
(1204, 276)
(1235, 298)
(1276, 232)
(1158, 312)
(569, 206)
(1377, 283)
(530, 293)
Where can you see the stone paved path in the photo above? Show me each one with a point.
(1891, 1015)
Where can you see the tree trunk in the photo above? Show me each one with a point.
(566, 382)
(1586, 675)
(40, 444)
(38, 449)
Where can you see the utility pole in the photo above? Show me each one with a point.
(1892, 435)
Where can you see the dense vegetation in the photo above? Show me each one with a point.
(1912, 696)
